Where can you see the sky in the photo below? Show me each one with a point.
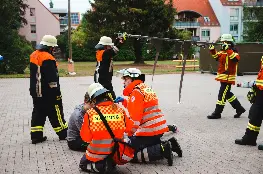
(76, 5)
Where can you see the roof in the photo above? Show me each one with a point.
(202, 7)
(48, 9)
(231, 3)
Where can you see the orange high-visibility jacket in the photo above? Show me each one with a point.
(228, 63)
(43, 72)
(259, 81)
(94, 132)
(142, 105)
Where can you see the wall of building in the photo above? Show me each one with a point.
(223, 15)
(214, 33)
(44, 21)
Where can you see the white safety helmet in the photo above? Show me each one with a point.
(49, 40)
(226, 37)
(130, 72)
(96, 89)
(104, 40)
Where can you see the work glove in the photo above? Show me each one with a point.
(224, 46)
(119, 99)
(211, 47)
(251, 95)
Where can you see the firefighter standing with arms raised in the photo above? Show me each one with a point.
(45, 91)
(255, 96)
(228, 59)
(106, 50)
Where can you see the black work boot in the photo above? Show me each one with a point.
(167, 152)
(176, 146)
(260, 147)
(217, 113)
(172, 128)
(62, 134)
(214, 116)
(39, 140)
(239, 111)
(249, 138)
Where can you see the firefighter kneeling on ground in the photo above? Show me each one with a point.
(45, 91)
(106, 50)
(150, 124)
(255, 96)
(74, 125)
(228, 59)
(105, 128)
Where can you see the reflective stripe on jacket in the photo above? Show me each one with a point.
(143, 108)
(228, 64)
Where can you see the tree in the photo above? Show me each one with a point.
(14, 48)
(144, 17)
(253, 24)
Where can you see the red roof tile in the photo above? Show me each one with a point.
(231, 3)
(200, 6)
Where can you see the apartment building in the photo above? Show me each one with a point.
(229, 14)
(40, 22)
(198, 17)
(62, 15)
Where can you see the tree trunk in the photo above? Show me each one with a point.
(137, 45)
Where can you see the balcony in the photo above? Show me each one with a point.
(253, 4)
(180, 24)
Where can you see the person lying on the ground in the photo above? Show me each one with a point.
(74, 125)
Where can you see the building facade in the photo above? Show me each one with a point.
(198, 17)
(40, 22)
(229, 14)
(62, 15)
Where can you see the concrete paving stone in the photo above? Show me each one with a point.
(208, 145)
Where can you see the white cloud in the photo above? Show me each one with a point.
(76, 5)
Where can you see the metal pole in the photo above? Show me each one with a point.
(69, 31)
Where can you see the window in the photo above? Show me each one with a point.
(234, 14)
(32, 12)
(206, 19)
(233, 28)
(205, 33)
(33, 28)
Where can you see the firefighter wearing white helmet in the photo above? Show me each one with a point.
(106, 50)
(45, 91)
(103, 135)
(150, 124)
(228, 59)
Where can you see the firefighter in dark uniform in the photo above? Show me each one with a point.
(228, 59)
(45, 91)
(104, 55)
(255, 96)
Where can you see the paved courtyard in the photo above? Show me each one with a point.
(208, 145)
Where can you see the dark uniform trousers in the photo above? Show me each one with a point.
(106, 82)
(226, 94)
(52, 107)
(255, 118)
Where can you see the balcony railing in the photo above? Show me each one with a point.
(254, 4)
(179, 24)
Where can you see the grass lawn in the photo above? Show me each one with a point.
(87, 68)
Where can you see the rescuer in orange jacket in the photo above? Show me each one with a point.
(150, 124)
(255, 96)
(100, 151)
(228, 59)
(45, 91)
